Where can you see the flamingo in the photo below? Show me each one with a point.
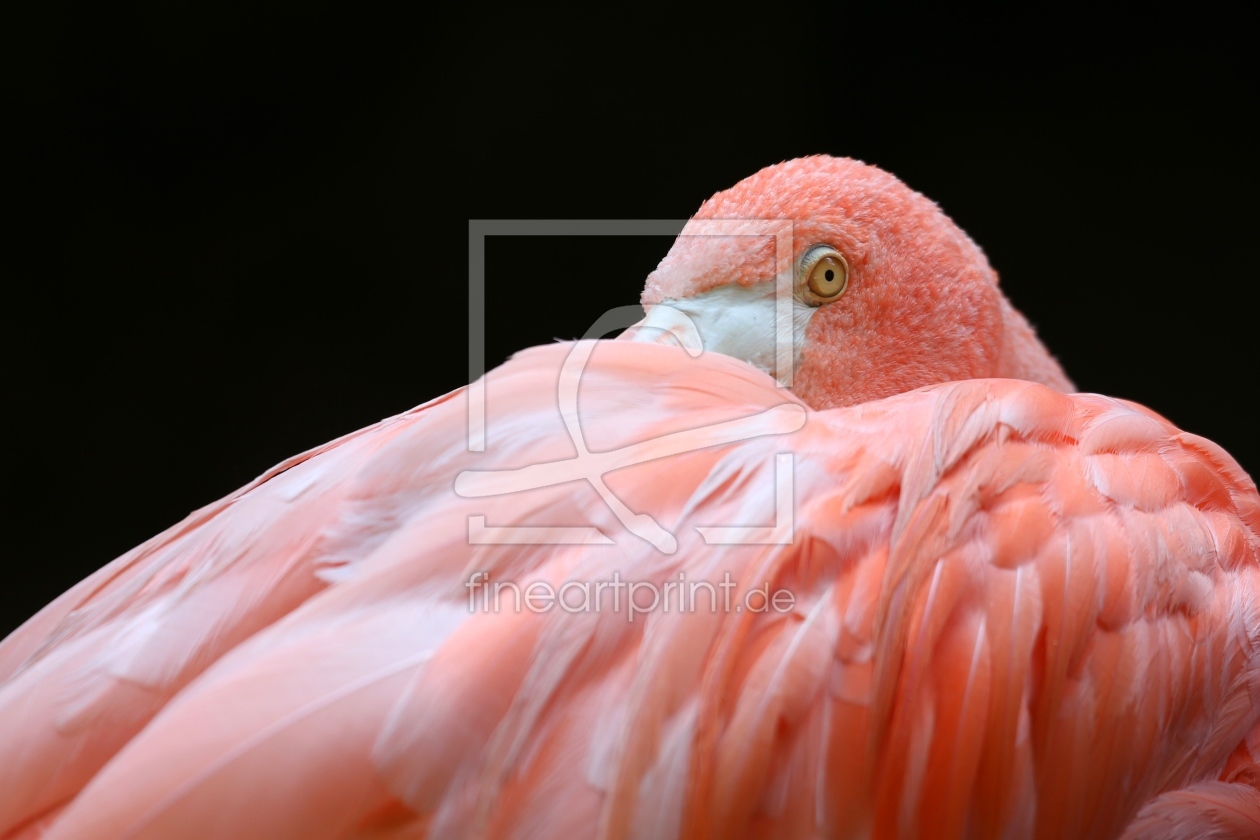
(825, 546)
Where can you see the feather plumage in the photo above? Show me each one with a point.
(1016, 613)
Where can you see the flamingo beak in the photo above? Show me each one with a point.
(667, 324)
(738, 321)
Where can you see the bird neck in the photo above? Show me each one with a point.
(1023, 356)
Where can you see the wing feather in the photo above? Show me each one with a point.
(1015, 613)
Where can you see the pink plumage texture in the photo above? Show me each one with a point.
(1014, 613)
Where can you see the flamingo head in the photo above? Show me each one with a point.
(883, 292)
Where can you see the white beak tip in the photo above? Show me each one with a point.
(666, 325)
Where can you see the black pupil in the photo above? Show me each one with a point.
(830, 275)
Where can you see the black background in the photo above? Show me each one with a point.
(242, 236)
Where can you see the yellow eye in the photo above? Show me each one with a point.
(828, 277)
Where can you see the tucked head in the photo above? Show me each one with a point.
(888, 294)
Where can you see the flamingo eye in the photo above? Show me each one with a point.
(828, 275)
